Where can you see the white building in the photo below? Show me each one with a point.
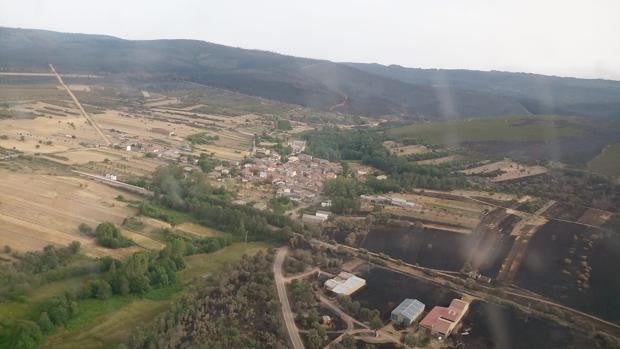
(344, 284)
(322, 214)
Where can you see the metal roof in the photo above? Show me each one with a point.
(409, 308)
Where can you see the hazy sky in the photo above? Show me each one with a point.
(560, 37)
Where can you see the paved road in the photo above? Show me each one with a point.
(289, 318)
(84, 113)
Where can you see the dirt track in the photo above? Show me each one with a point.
(84, 113)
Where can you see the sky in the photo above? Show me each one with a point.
(554, 37)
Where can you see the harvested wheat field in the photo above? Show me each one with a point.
(39, 210)
(196, 229)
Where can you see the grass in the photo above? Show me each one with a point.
(106, 324)
(519, 129)
(18, 310)
(608, 161)
(93, 308)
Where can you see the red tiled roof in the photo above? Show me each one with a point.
(431, 319)
(441, 319)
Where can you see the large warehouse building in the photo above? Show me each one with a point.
(345, 284)
(407, 312)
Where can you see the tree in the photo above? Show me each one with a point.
(74, 247)
(108, 235)
(348, 342)
(85, 229)
(45, 324)
(314, 339)
(375, 324)
(26, 335)
(101, 289)
(407, 339)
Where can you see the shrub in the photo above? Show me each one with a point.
(108, 235)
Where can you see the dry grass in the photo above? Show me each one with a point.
(39, 210)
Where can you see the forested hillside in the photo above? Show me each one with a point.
(540, 94)
(357, 89)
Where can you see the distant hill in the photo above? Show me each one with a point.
(350, 88)
(540, 94)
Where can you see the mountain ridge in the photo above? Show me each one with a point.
(354, 88)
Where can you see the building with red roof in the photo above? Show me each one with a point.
(440, 321)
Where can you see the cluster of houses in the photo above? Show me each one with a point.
(300, 179)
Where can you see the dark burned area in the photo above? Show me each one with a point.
(385, 289)
(433, 248)
(492, 326)
(576, 150)
(560, 254)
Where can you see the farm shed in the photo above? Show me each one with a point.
(407, 311)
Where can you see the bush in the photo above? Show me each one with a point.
(108, 235)
(26, 335)
(85, 229)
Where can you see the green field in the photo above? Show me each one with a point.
(483, 130)
(608, 161)
(107, 323)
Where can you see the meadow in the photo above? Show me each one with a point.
(608, 161)
(483, 130)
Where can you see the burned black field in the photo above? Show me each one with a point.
(576, 266)
(385, 289)
(431, 248)
(491, 326)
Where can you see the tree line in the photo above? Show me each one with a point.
(212, 207)
(366, 146)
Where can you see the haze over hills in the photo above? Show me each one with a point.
(363, 89)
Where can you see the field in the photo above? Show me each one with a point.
(399, 149)
(574, 265)
(505, 170)
(38, 210)
(481, 130)
(385, 289)
(439, 210)
(433, 248)
(568, 139)
(106, 324)
(493, 326)
(608, 161)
